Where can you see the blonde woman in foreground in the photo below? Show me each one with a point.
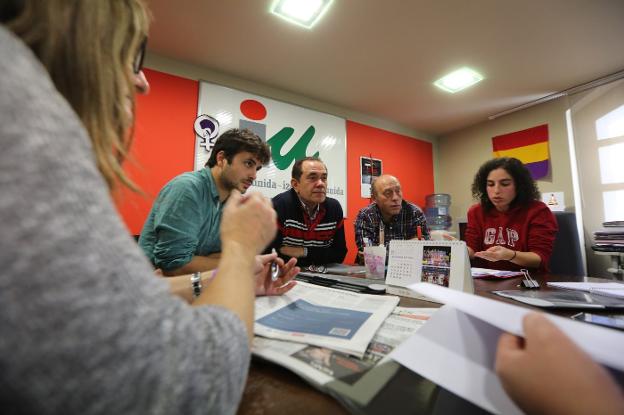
(86, 327)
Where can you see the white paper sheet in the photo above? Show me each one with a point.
(486, 272)
(457, 347)
(456, 350)
(602, 344)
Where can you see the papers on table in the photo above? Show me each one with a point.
(456, 348)
(326, 368)
(344, 282)
(335, 319)
(344, 269)
(562, 299)
(493, 273)
(610, 289)
(456, 351)
(573, 295)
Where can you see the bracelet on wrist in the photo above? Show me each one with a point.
(514, 256)
(196, 284)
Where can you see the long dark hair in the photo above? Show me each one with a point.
(526, 188)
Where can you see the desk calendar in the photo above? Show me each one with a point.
(444, 263)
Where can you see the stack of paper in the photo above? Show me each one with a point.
(493, 273)
(609, 239)
(339, 374)
(335, 319)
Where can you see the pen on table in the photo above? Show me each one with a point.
(274, 267)
(419, 232)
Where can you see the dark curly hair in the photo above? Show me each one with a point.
(526, 188)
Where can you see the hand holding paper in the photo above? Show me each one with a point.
(543, 372)
(460, 343)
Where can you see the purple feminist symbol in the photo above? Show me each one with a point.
(207, 125)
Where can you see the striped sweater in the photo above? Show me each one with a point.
(323, 236)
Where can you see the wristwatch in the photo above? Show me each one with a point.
(196, 284)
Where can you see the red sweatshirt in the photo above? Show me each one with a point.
(529, 228)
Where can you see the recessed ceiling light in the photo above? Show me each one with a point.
(458, 80)
(301, 12)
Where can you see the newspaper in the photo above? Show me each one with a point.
(334, 319)
(328, 369)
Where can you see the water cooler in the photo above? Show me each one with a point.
(437, 211)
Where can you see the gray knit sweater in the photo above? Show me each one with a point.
(85, 326)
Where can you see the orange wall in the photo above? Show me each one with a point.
(164, 147)
(164, 142)
(410, 160)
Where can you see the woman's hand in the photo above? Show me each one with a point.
(500, 253)
(248, 222)
(496, 253)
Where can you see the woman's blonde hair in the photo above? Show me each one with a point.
(88, 48)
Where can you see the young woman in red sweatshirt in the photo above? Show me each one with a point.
(510, 228)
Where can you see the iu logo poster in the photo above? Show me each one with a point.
(291, 131)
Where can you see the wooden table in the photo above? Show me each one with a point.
(271, 389)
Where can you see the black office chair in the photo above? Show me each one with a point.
(566, 258)
(462, 230)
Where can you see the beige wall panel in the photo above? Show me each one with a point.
(462, 152)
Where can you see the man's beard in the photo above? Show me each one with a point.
(228, 183)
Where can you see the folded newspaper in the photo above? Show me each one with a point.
(334, 319)
(337, 373)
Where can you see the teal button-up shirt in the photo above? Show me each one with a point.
(184, 221)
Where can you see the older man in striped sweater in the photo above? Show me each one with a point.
(311, 225)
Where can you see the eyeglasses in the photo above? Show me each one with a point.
(137, 65)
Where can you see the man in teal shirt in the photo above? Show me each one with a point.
(181, 233)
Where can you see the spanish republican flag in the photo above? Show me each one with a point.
(530, 146)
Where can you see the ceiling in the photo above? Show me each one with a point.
(380, 57)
